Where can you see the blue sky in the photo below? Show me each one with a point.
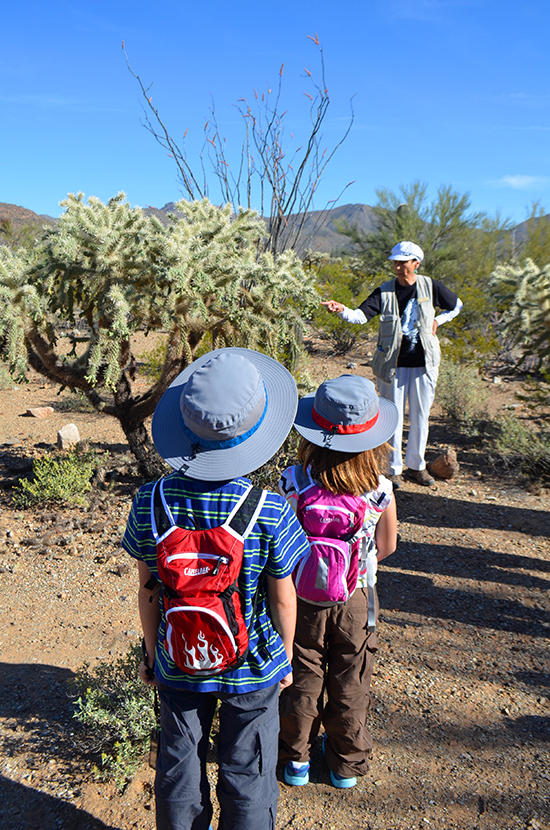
(446, 91)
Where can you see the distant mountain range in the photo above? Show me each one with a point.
(318, 234)
(20, 216)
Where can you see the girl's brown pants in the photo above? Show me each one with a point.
(333, 654)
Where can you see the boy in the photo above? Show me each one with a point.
(224, 416)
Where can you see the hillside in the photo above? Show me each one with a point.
(319, 233)
(20, 216)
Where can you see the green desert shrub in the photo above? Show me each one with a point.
(522, 448)
(117, 709)
(153, 360)
(460, 392)
(60, 477)
(76, 401)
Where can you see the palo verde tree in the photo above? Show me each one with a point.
(460, 247)
(453, 239)
(534, 244)
(106, 271)
(270, 170)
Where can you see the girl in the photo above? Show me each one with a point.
(344, 429)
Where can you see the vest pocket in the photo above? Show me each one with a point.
(386, 331)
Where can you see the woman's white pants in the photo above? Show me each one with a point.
(418, 387)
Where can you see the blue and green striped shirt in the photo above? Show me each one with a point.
(274, 547)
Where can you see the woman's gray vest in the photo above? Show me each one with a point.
(390, 334)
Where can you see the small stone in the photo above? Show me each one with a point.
(68, 436)
(472, 493)
(351, 365)
(497, 380)
(40, 412)
(122, 569)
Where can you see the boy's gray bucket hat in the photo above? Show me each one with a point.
(225, 415)
(346, 414)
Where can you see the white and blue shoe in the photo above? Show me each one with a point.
(339, 781)
(342, 783)
(296, 774)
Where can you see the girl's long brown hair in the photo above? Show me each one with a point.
(344, 472)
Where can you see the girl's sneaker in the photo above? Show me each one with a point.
(338, 780)
(296, 774)
(341, 782)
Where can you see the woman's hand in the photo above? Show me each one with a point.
(333, 307)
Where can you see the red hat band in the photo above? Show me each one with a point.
(342, 429)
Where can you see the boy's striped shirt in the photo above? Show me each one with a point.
(274, 547)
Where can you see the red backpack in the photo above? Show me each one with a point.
(199, 570)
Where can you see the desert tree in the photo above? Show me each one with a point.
(107, 271)
(461, 247)
(272, 170)
(534, 243)
(454, 239)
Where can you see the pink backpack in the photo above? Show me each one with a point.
(328, 574)
(199, 569)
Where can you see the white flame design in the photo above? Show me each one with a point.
(202, 660)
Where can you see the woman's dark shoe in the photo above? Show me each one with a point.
(421, 477)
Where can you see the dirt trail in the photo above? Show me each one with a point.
(460, 711)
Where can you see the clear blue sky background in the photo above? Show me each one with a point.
(446, 91)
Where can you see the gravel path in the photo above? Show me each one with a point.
(460, 710)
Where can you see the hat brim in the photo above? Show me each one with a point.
(374, 437)
(176, 447)
(404, 258)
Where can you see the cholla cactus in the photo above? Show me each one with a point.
(109, 270)
(525, 291)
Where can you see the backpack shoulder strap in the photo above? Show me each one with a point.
(161, 515)
(243, 516)
(302, 480)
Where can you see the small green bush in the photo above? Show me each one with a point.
(62, 477)
(460, 392)
(118, 708)
(75, 402)
(523, 448)
(153, 361)
(336, 280)
(536, 396)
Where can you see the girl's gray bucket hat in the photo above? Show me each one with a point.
(346, 414)
(225, 415)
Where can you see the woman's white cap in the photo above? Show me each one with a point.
(407, 250)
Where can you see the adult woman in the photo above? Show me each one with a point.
(406, 363)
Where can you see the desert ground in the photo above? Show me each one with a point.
(461, 697)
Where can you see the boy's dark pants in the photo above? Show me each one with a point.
(247, 755)
(333, 651)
